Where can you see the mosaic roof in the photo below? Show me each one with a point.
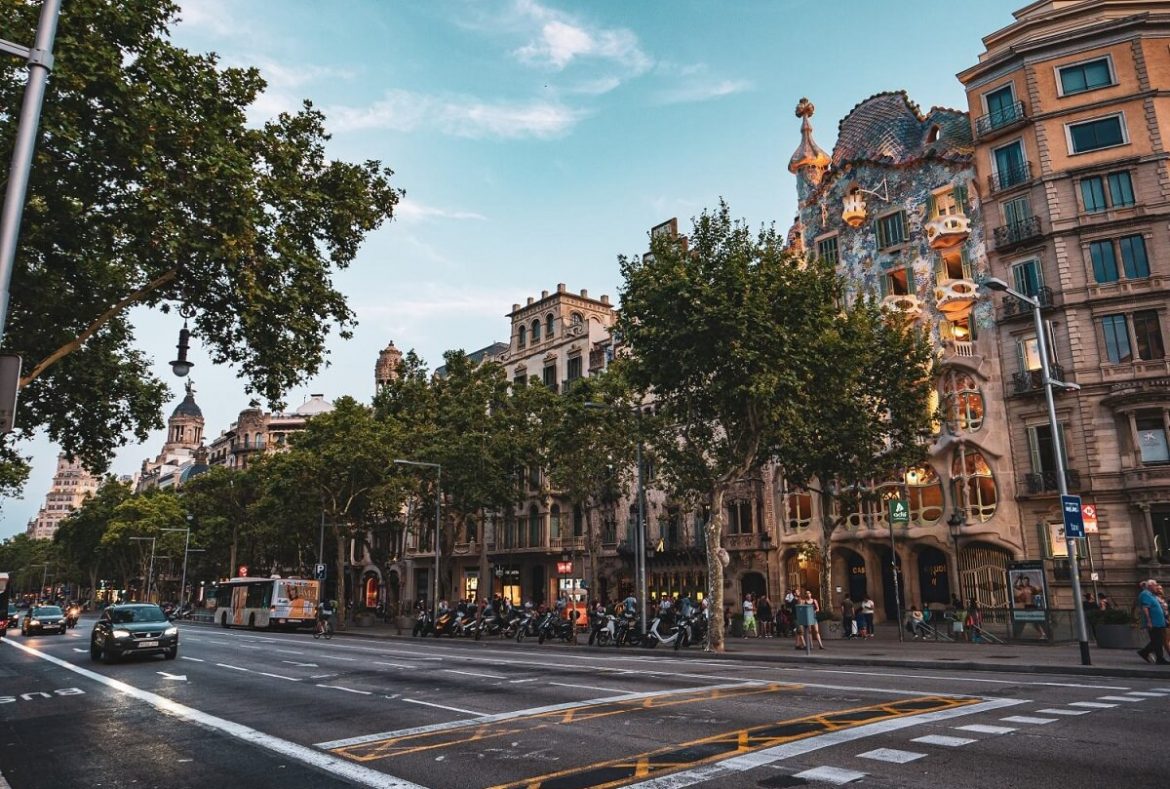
(888, 128)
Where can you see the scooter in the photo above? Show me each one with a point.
(628, 632)
(661, 632)
(603, 628)
(553, 626)
(446, 623)
(72, 614)
(691, 629)
(527, 626)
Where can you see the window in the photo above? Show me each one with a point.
(1147, 335)
(533, 527)
(554, 522)
(798, 505)
(1096, 134)
(1117, 348)
(519, 380)
(574, 367)
(1028, 277)
(1011, 167)
(896, 283)
(891, 229)
(472, 530)
(1081, 77)
(1151, 437)
(578, 521)
(548, 326)
(609, 530)
(972, 484)
(1133, 257)
(535, 331)
(953, 265)
(1002, 107)
(521, 336)
(949, 202)
(1101, 192)
(550, 376)
(1134, 261)
(962, 402)
(924, 489)
(1104, 261)
(739, 517)
(827, 250)
(1043, 452)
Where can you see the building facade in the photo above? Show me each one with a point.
(1069, 104)
(71, 486)
(183, 443)
(257, 432)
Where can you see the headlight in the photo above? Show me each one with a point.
(171, 631)
(60, 621)
(121, 633)
(34, 621)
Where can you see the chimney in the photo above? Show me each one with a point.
(584, 293)
(544, 294)
(530, 299)
(604, 299)
(560, 287)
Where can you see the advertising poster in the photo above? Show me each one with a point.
(1029, 587)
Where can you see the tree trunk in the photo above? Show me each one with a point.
(93, 581)
(826, 552)
(714, 529)
(341, 584)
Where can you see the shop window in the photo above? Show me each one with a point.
(1152, 443)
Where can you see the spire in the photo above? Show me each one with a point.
(809, 154)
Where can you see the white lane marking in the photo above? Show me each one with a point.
(299, 663)
(1119, 698)
(504, 716)
(1027, 719)
(518, 681)
(75, 649)
(892, 755)
(347, 690)
(829, 775)
(289, 651)
(234, 668)
(322, 676)
(967, 679)
(980, 728)
(277, 676)
(585, 687)
(1147, 694)
(165, 675)
(941, 739)
(1096, 705)
(396, 665)
(321, 761)
(474, 674)
(1058, 711)
(750, 761)
(1167, 690)
(192, 659)
(338, 657)
(445, 707)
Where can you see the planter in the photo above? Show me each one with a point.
(364, 620)
(1119, 637)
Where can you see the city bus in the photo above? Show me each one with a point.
(268, 603)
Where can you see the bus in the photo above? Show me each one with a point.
(268, 603)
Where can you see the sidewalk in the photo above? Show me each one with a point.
(883, 650)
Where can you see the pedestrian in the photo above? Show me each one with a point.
(749, 617)
(1153, 616)
(867, 613)
(765, 616)
(814, 630)
(916, 622)
(847, 620)
(1103, 602)
(973, 622)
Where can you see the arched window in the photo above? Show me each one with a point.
(533, 527)
(536, 331)
(554, 522)
(548, 326)
(924, 488)
(521, 336)
(246, 437)
(962, 402)
(972, 484)
(798, 506)
(576, 319)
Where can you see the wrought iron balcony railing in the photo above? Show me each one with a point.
(1027, 381)
(1048, 482)
(1007, 177)
(1000, 120)
(1015, 308)
(1017, 233)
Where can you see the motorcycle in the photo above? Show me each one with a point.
(424, 622)
(603, 628)
(661, 631)
(527, 626)
(692, 628)
(628, 631)
(72, 614)
(447, 623)
(553, 626)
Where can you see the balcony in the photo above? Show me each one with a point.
(1047, 481)
(944, 232)
(1013, 308)
(567, 543)
(963, 349)
(747, 542)
(1017, 233)
(955, 296)
(995, 123)
(904, 302)
(1019, 173)
(1031, 381)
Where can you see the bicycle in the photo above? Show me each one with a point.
(324, 628)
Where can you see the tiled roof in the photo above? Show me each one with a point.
(888, 128)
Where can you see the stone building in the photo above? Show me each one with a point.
(256, 432)
(71, 486)
(896, 208)
(184, 439)
(1069, 104)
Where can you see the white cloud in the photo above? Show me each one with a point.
(458, 116)
(596, 87)
(411, 211)
(212, 16)
(563, 38)
(703, 90)
(434, 301)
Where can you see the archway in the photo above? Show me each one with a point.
(983, 574)
(934, 582)
(890, 600)
(802, 570)
(752, 583)
(856, 583)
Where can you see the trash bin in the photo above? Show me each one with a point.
(806, 615)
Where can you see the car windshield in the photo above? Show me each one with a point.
(47, 610)
(144, 613)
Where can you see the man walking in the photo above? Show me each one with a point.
(1151, 614)
(847, 617)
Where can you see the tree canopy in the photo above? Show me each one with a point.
(150, 188)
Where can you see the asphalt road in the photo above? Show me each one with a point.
(243, 709)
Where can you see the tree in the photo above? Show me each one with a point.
(141, 519)
(150, 189)
(79, 536)
(724, 334)
(25, 560)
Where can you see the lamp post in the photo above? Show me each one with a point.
(955, 523)
(186, 545)
(996, 284)
(44, 576)
(150, 572)
(639, 528)
(438, 501)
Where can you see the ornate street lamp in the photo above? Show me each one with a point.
(180, 366)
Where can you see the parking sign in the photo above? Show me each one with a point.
(1074, 523)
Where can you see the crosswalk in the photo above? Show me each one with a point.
(853, 772)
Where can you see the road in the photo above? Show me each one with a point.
(244, 709)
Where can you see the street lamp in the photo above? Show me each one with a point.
(640, 528)
(44, 577)
(996, 284)
(955, 524)
(438, 500)
(150, 572)
(181, 366)
(186, 544)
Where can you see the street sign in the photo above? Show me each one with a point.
(564, 568)
(899, 511)
(1089, 516)
(243, 571)
(1074, 524)
(319, 572)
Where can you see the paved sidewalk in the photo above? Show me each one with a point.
(883, 649)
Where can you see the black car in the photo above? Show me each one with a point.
(43, 619)
(13, 617)
(133, 629)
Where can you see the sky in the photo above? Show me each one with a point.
(537, 140)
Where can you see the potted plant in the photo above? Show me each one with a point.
(1114, 628)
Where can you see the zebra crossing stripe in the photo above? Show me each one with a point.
(830, 775)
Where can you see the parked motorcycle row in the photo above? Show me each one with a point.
(603, 629)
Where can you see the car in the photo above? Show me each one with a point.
(13, 617)
(43, 619)
(133, 629)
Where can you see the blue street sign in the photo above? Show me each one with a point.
(1074, 523)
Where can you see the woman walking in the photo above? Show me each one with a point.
(814, 630)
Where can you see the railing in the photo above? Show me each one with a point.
(1001, 119)
(962, 348)
(1007, 177)
(1015, 308)
(567, 543)
(1048, 482)
(1027, 381)
(1017, 232)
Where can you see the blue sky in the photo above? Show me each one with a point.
(537, 141)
